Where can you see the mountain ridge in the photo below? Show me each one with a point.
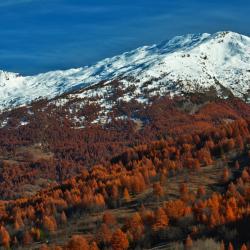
(186, 63)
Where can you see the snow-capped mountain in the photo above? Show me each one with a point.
(190, 63)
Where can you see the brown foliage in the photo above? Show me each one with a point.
(161, 220)
(188, 242)
(230, 246)
(49, 223)
(77, 242)
(158, 190)
(27, 238)
(243, 247)
(104, 234)
(109, 219)
(119, 240)
(63, 218)
(4, 237)
(126, 195)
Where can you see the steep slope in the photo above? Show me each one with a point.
(184, 64)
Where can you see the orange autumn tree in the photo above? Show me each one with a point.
(184, 191)
(93, 246)
(4, 237)
(230, 246)
(114, 192)
(119, 240)
(15, 242)
(36, 233)
(226, 175)
(174, 209)
(135, 226)
(188, 242)
(158, 190)
(109, 219)
(77, 242)
(104, 235)
(222, 245)
(245, 175)
(126, 195)
(49, 224)
(63, 218)
(243, 247)
(161, 220)
(201, 191)
(27, 238)
(18, 221)
(237, 165)
(230, 216)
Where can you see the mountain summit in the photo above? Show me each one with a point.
(184, 64)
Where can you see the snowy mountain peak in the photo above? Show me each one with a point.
(186, 63)
(7, 76)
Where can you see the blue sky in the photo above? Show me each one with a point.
(42, 35)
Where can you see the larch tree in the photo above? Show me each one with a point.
(188, 242)
(158, 190)
(27, 238)
(226, 175)
(49, 224)
(126, 195)
(119, 240)
(243, 247)
(201, 191)
(63, 218)
(230, 216)
(135, 226)
(222, 245)
(78, 242)
(245, 175)
(114, 192)
(104, 234)
(184, 192)
(15, 242)
(161, 220)
(93, 246)
(230, 246)
(237, 165)
(4, 237)
(109, 219)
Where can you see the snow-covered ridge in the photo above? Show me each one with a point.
(183, 64)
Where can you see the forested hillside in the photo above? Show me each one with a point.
(174, 173)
